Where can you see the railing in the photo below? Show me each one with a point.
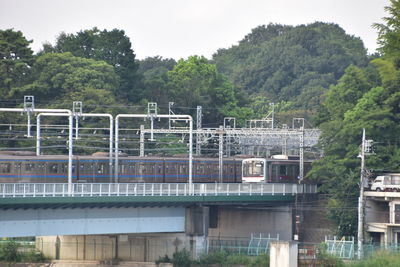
(149, 189)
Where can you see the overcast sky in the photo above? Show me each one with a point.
(180, 28)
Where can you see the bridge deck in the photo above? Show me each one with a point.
(13, 196)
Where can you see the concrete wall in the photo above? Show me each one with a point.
(240, 222)
(129, 247)
(314, 222)
(283, 254)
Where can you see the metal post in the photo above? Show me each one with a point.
(29, 124)
(198, 127)
(77, 111)
(181, 117)
(221, 154)
(70, 146)
(29, 106)
(116, 149)
(190, 151)
(272, 114)
(360, 234)
(141, 141)
(111, 137)
(170, 104)
(38, 136)
(301, 169)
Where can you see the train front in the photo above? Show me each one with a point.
(254, 170)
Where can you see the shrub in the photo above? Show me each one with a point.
(379, 259)
(327, 259)
(216, 257)
(33, 256)
(237, 259)
(9, 252)
(164, 259)
(181, 259)
(260, 261)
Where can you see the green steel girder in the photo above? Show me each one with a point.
(113, 201)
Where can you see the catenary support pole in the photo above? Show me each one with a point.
(181, 117)
(70, 140)
(360, 234)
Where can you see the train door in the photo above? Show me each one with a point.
(101, 172)
(27, 172)
(183, 175)
(5, 171)
(198, 175)
(53, 172)
(238, 171)
(171, 172)
(39, 171)
(158, 175)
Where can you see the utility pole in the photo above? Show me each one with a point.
(365, 149)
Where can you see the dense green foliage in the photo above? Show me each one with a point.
(220, 258)
(16, 58)
(363, 98)
(9, 252)
(154, 74)
(113, 47)
(196, 82)
(292, 64)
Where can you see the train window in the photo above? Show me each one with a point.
(5, 167)
(100, 168)
(282, 170)
(29, 167)
(121, 168)
(64, 168)
(200, 169)
(170, 169)
(41, 166)
(182, 169)
(159, 169)
(53, 167)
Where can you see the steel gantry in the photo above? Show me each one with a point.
(152, 131)
(228, 136)
(294, 138)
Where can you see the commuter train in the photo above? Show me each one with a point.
(27, 168)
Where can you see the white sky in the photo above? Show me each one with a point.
(180, 28)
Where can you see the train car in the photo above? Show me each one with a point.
(29, 168)
(35, 169)
(278, 169)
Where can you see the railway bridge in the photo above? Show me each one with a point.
(86, 209)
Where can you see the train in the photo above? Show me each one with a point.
(29, 168)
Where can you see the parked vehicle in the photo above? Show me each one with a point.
(387, 182)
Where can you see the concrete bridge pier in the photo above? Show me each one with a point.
(141, 247)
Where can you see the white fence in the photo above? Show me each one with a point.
(150, 189)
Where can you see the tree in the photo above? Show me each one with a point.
(154, 74)
(389, 33)
(113, 47)
(16, 58)
(293, 64)
(349, 107)
(196, 82)
(63, 78)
